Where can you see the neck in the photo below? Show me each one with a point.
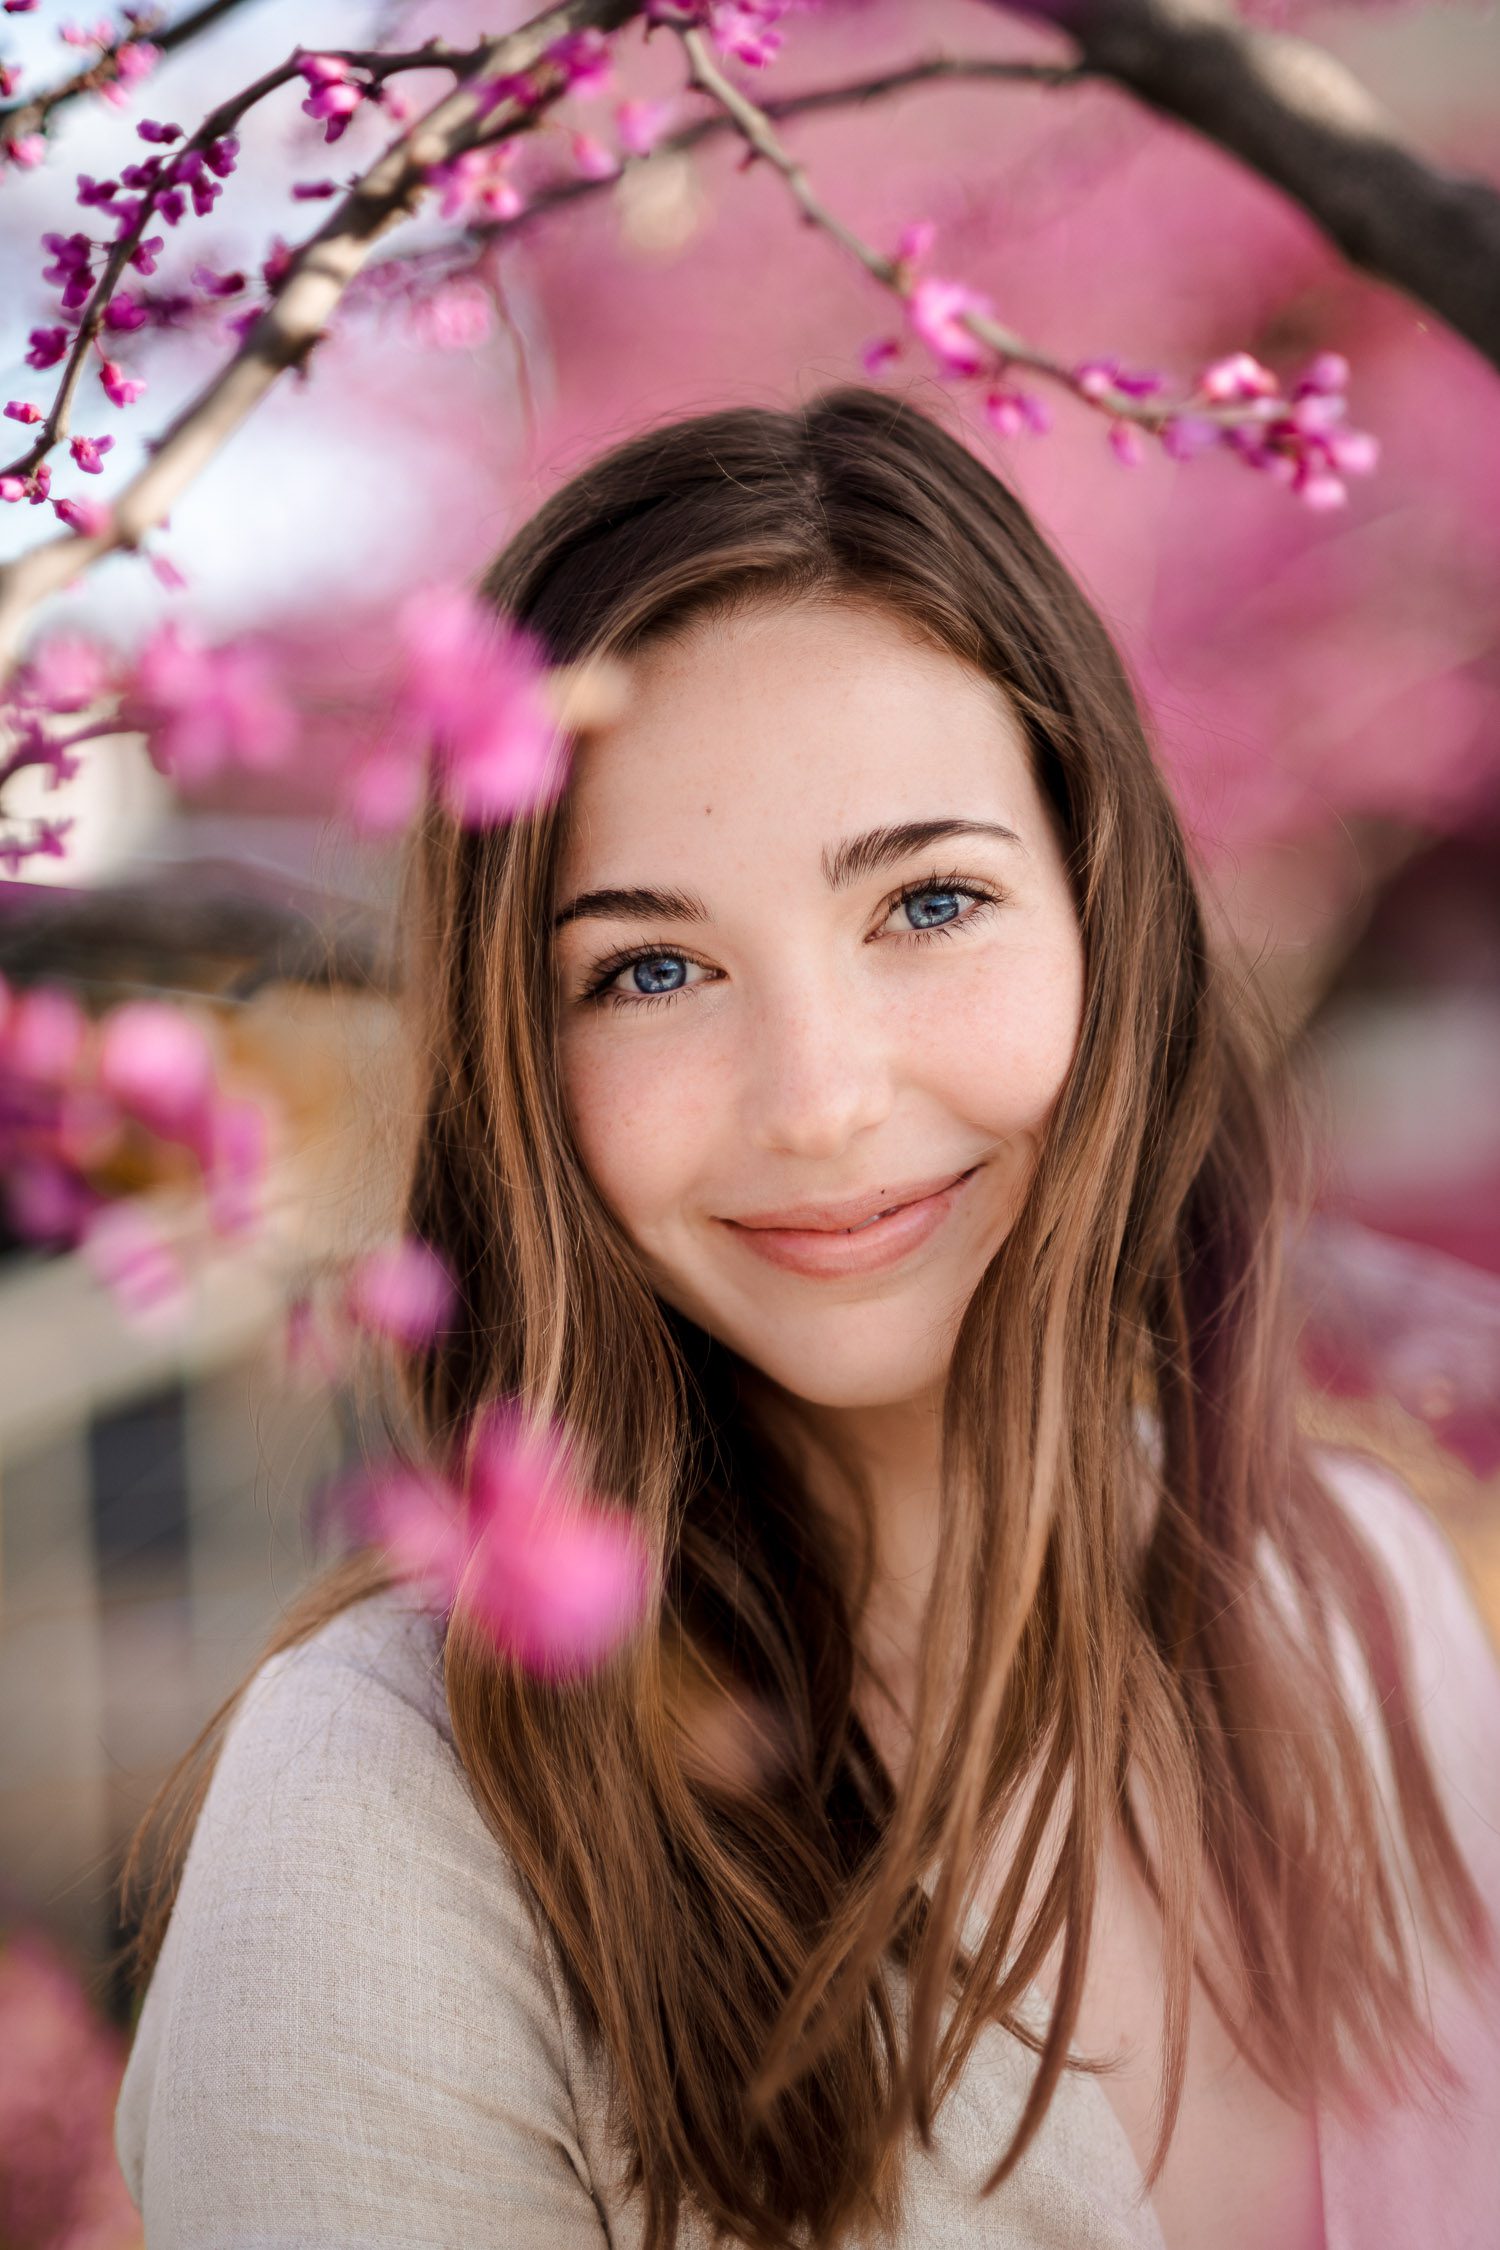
(890, 1454)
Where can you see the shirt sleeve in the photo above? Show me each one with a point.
(1454, 1667)
(351, 2036)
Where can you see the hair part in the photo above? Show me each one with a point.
(1119, 1632)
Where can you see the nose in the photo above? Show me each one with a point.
(818, 1072)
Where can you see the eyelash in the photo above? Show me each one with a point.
(959, 886)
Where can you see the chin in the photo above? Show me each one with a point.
(850, 1373)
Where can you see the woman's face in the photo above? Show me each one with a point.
(816, 950)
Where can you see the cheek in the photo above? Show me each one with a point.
(998, 1048)
(641, 1111)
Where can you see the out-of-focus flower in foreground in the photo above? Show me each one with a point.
(557, 1580)
(60, 2183)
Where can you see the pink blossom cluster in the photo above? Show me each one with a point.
(160, 186)
(1299, 438)
(60, 2182)
(204, 710)
(554, 1578)
(470, 695)
(742, 30)
(72, 1094)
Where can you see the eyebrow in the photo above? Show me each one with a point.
(848, 862)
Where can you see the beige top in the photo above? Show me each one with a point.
(355, 2035)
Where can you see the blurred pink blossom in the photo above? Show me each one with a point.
(472, 688)
(402, 1289)
(158, 1065)
(61, 2187)
(639, 125)
(204, 709)
(933, 309)
(130, 1256)
(556, 1580)
(43, 1035)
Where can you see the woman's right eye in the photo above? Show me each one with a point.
(642, 980)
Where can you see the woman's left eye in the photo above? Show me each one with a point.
(935, 907)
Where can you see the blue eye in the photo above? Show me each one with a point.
(948, 899)
(664, 972)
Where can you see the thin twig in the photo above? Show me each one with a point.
(291, 326)
(1295, 114)
(216, 126)
(754, 124)
(30, 115)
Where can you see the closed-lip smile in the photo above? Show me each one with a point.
(867, 1234)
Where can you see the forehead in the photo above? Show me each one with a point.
(781, 729)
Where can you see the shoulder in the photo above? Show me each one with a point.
(352, 2023)
(1448, 1644)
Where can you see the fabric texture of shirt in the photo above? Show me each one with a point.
(356, 2035)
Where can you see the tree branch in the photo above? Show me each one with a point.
(1293, 113)
(1087, 383)
(30, 115)
(294, 322)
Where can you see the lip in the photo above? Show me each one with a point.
(822, 1245)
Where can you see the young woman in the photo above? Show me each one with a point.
(844, 1134)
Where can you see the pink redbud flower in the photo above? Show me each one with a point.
(234, 1155)
(403, 1290)
(136, 60)
(12, 488)
(1012, 411)
(1183, 436)
(203, 709)
(221, 155)
(119, 388)
(313, 191)
(934, 308)
(19, 7)
(1328, 371)
(323, 70)
(156, 1063)
(217, 284)
(1125, 440)
(585, 61)
(48, 346)
(639, 125)
(743, 31)
(1095, 378)
(143, 257)
(22, 410)
(455, 317)
(1354, 452)
(87, 452)
(27, 151)
(473, 688)
(166, 573)
(915, 240)
(555, 1580)
(385, 792)
(1237, 377)
(149, 130)
(67, 673)
(476, 182)
(1318, 488)
(879, 353)
(89, 518)
(10, 79)
(44, 1035)
(593, 159)
(130, 1257)
(124, 312)
(95, 194)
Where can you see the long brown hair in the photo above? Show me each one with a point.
(733, 1948)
